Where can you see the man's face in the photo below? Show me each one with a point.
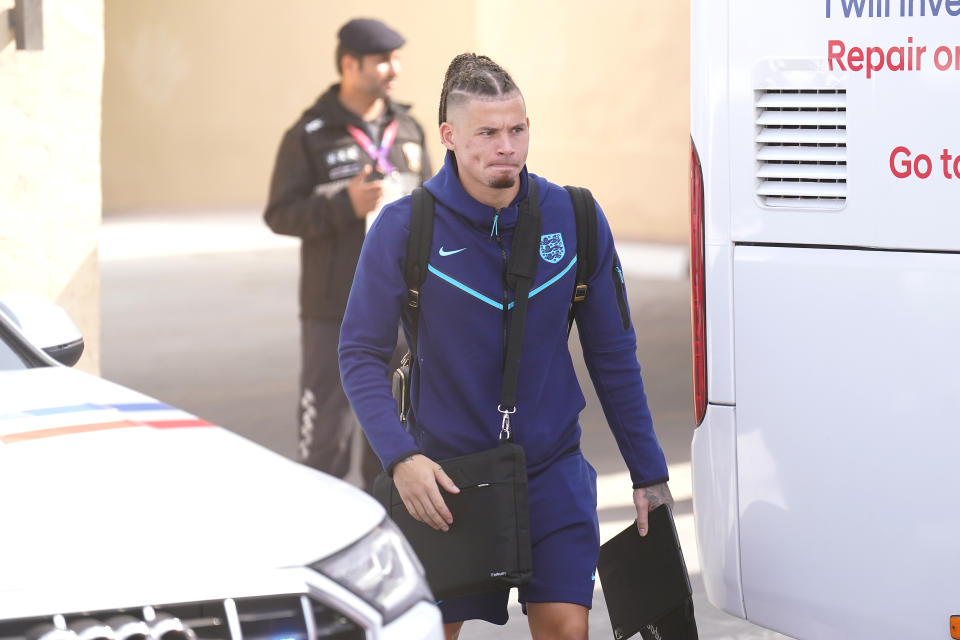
(490, 138)
(374, 73)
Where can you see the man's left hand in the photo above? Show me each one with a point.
(648, 499)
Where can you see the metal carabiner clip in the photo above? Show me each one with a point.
(505, 433)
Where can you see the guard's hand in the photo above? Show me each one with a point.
(364, 196)
(648, 499)
(418, 480)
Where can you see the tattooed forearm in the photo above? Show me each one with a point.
(658, 494)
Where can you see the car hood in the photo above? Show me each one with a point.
(101, 484)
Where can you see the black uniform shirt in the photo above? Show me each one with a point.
(308, 195)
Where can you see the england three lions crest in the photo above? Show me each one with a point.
(551, 247)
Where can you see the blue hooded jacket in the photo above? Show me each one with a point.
(459, 368)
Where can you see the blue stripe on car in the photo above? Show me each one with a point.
(130, 406)
(49, 411)
(142, 406)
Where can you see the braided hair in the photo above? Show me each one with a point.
(473, 75)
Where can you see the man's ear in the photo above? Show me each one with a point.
(446, 136)
(348, 64)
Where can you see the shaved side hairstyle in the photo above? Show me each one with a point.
(470, 75)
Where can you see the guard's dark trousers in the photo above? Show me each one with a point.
(326, 423)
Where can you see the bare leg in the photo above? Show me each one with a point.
(557, 621)
(452, 630)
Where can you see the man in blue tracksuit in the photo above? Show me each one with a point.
(462, 335)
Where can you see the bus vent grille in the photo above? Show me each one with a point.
(802, 148)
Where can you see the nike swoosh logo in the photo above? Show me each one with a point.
(450, 253)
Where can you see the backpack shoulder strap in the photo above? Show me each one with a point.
(585, 211)
(418, 253)
(418, 244)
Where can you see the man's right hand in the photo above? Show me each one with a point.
(365, 196)
(418, 480)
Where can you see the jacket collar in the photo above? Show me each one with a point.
(447, 188)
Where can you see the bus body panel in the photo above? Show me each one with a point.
(708, 85)
(720, 339)
(830, 307)
(847, 440)
(891, 118)
(716, 509)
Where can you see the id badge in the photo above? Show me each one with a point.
(395, 186)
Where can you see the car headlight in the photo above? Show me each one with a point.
(382, 569)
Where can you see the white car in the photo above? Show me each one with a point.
(123, 518)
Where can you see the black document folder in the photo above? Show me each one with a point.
(645, 582)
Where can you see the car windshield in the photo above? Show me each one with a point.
(14, 355)
(9, 358)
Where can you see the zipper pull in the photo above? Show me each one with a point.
(496, 217)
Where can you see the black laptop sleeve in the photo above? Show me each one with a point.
(645, 582)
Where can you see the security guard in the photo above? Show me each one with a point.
(352, 152)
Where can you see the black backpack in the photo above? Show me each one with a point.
(418, 256)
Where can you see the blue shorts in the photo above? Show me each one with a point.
(565, 536)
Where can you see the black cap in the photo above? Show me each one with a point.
(366, 35)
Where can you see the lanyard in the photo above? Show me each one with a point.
(378, 154)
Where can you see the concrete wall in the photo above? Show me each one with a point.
(606, 84)
(50, 163)
(198, 92)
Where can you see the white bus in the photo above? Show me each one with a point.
(825, 255)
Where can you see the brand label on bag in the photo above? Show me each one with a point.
(497, 574)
